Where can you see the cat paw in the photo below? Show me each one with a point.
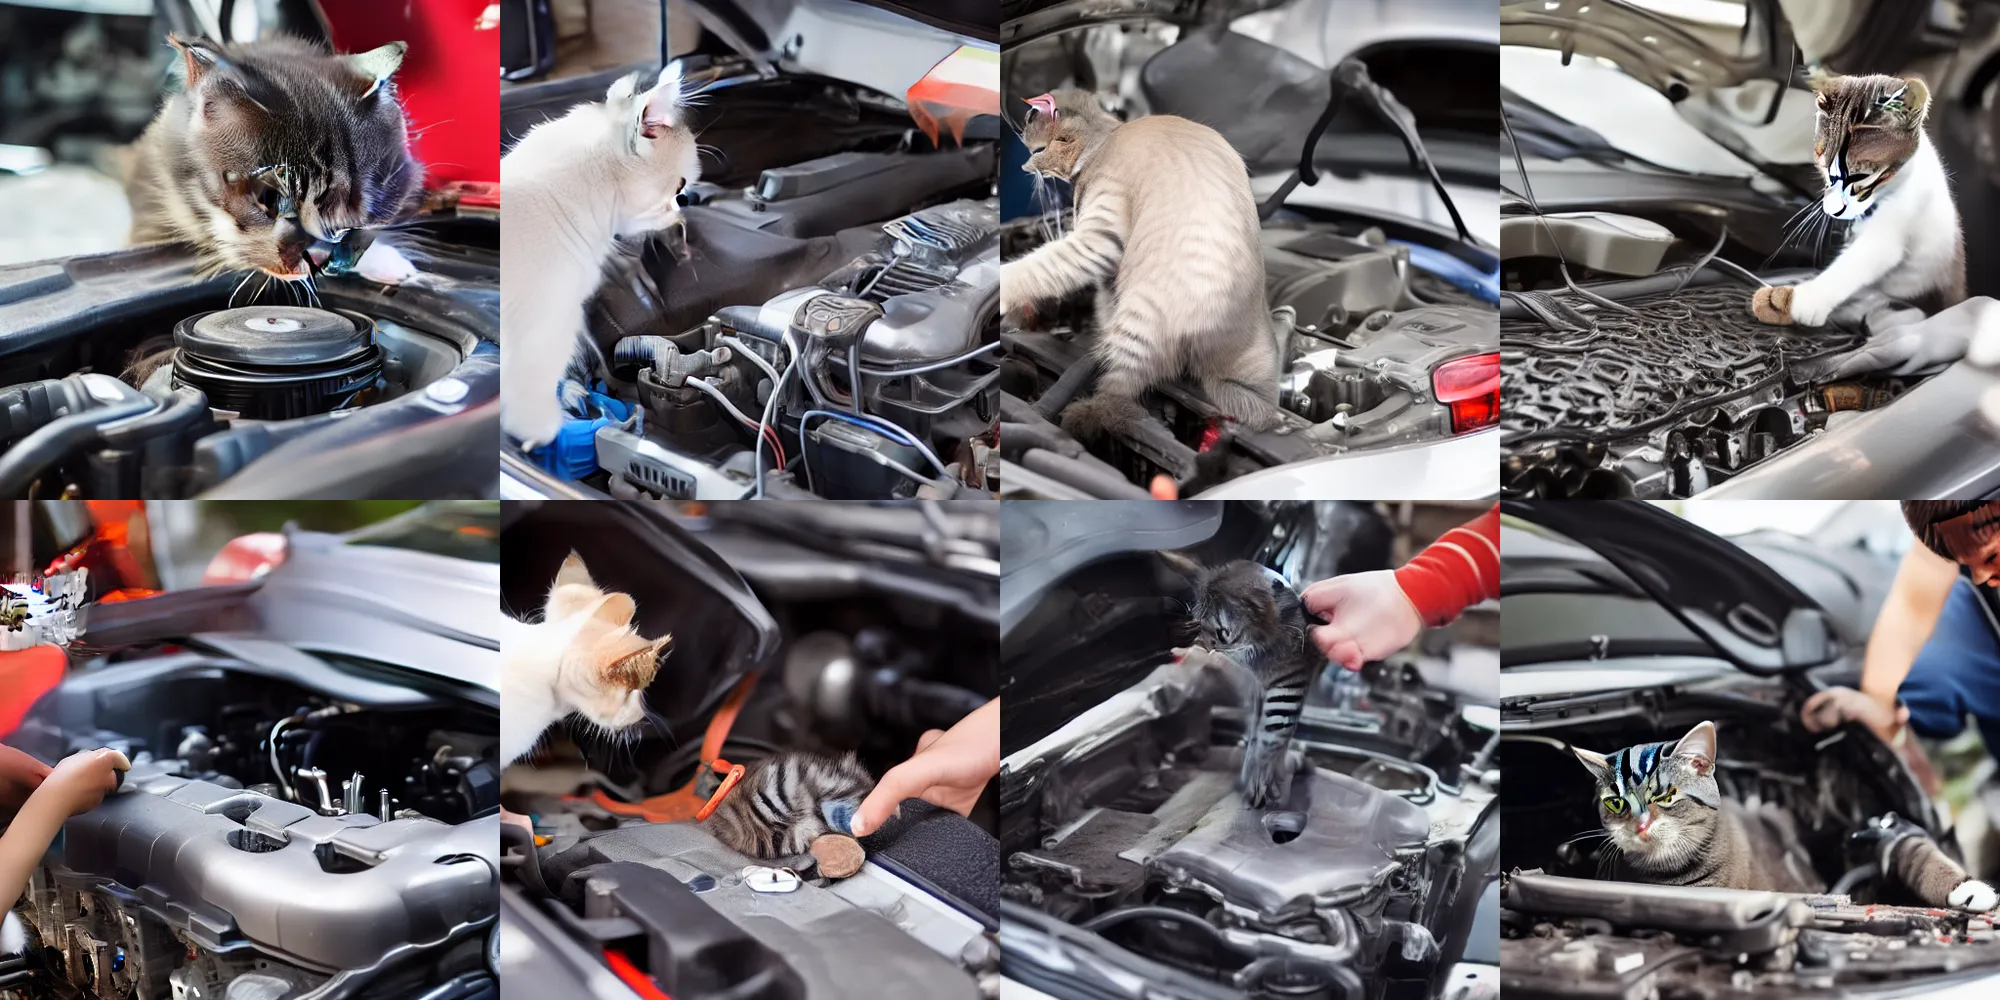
(1810, 306)
(533, 425)
(1975, 895)
(1100, 415)
(1772, 305)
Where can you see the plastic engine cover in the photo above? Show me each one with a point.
(332, 892)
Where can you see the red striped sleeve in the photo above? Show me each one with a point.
(1455, 572)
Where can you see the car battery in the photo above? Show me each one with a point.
(843, 465)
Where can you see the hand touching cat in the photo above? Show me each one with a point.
(949, 769)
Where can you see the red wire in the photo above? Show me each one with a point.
(641, 983)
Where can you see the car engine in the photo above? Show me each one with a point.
(1668, 391)
(1124, 824)
(129, 374)
(1565, 931)
(271, 841)
(910, 319)
(1376, 352)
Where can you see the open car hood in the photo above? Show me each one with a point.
(1753, 617)
(884, 45)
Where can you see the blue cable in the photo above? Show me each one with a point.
(875, 424)
(1481, 283)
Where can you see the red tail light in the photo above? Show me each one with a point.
(1471, 387)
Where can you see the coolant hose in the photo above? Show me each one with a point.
(49, 444)
(645, 352)
(1073, 381)
(1076, 474)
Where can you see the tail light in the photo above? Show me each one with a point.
(1470, 386)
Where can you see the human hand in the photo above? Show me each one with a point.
(1367, 617)
(80, 781)
(1833, 707)
(20, 775)
(949, 769)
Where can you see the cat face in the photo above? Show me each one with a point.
(1060, 128)
(1868, 127)
(291, 145)
(662, 159)
(1235, 605)
(1656, 800)
(607, 665)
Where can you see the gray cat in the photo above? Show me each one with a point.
(1668, 820)
(1167, 230)
(1250, 615)
(271, 147)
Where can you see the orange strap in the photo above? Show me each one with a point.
(684, 803)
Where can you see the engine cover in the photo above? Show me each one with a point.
(936, 275)
(222, 865)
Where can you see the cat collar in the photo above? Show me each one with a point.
(1046, 104)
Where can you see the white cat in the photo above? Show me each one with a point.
(1883, 175)
(584, 657)
(567, 189)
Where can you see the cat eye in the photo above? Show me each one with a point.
(1614, 805)
(1060, 138)
(1666, 794)
(1892, 105)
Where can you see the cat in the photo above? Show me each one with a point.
(1883, 175)
(1249, 614)
(569, 188)
(584, 658)
(273, 151)
(787, 800)
(1166, 228)
(1670, 824)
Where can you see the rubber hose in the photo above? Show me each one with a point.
(22, 464)
(1073, 473)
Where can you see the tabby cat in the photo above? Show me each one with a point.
(1883, 175)
(1249, 614)
(1668, 820)
(271, 148)
(1167, 230)
(787, 800)
(584, 657)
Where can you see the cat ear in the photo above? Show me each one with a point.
(1917, 98)
(198, 55)
(573, 571)
(1596, 762)
(614, 610)
(1698, 747)
(1181, 564)
(660, 108)
(377, 65)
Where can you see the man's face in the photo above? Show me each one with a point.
(1974, 540)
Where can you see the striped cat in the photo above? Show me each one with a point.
(1166, 229)
(1670, 824)
(788, 800)
(1248, 613)
(272, 151)
(1883, 175)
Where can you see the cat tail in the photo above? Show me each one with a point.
(13, 935)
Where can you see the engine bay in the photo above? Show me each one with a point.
(824, 323)
(1376, 352)
(1124, 824)
(131, 374)
(272, 840)
(1567, 932)
(871, 652)
(1673, 388)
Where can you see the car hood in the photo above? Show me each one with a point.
(883, 45)
(1752, 616)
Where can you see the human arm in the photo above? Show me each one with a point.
(76, 784)
(1370, 615)
(1908, 617)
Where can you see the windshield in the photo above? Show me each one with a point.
(463, 529)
